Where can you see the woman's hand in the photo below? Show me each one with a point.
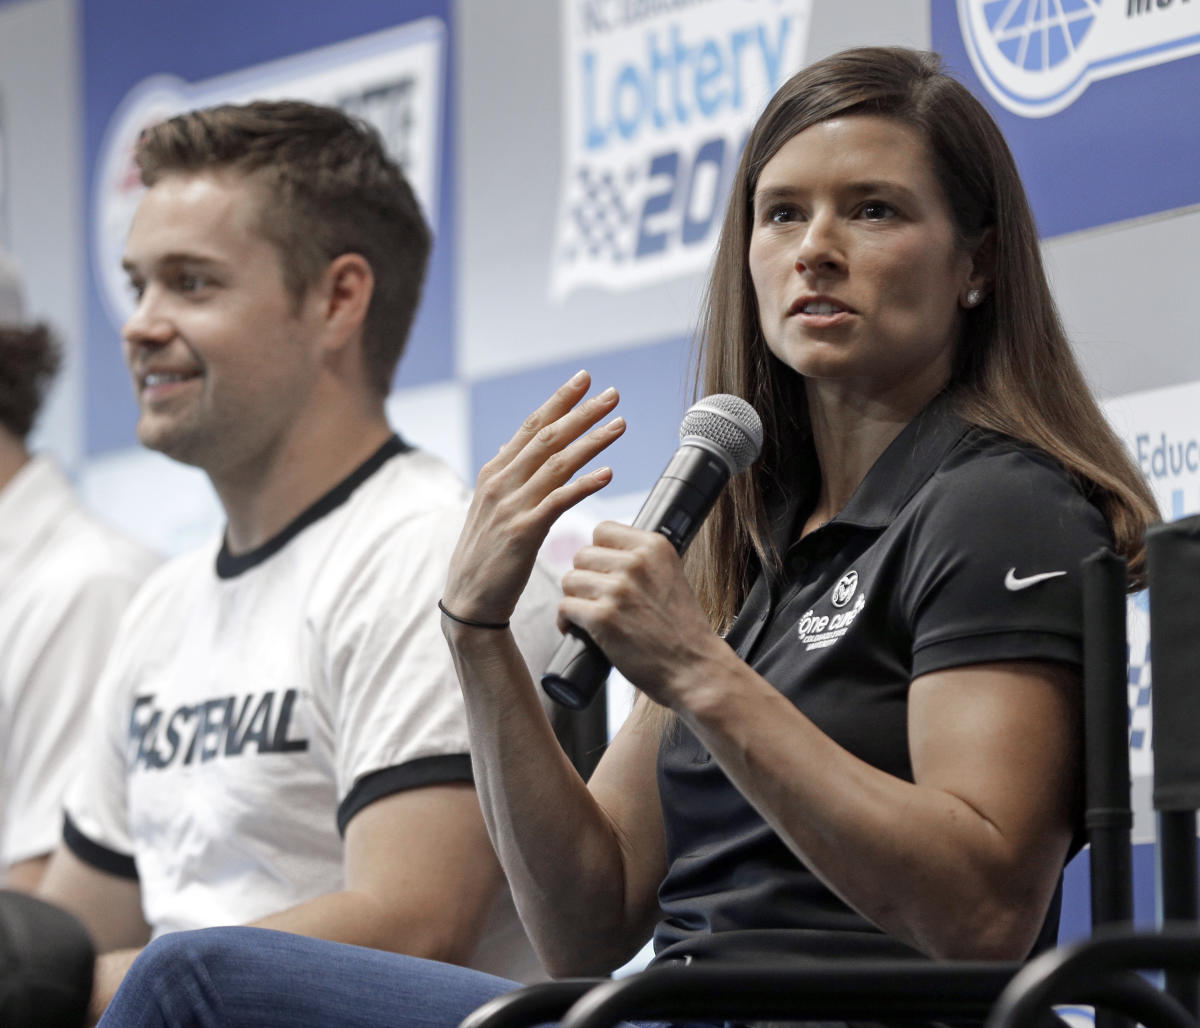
(521, 492)
(628, 592)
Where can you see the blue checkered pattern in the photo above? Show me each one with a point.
(599, 219)
(1139, 673)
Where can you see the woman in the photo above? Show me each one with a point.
(863, 698)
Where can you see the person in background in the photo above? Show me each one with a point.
(860, 724)
(65, 578)
(279, 738)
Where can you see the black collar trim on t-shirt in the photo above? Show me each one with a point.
(230, 565)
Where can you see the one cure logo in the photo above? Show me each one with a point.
(1036, 59)
(816, 630)
(659, 98)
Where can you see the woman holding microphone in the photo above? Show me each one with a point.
(860, 725)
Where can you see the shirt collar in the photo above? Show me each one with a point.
(906, 465)
(230, 565)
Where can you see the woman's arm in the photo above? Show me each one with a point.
(962, 862)
(583, 864)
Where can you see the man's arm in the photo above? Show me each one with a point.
(109, 905)
(26, 875)
(421, 878)
(420, 873)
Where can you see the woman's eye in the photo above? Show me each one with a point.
(782, 212)
(877, 211)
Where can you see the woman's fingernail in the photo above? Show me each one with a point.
(608, 393)
(578, 377)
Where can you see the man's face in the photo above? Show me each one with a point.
(223, 360)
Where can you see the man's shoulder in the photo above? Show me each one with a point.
(87, 547)
(417, 482)
(83, 557)
(396, 529)
(414, 494)
(182, 572)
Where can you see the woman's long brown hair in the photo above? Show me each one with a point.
(1015, 372)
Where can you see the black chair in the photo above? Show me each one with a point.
(1063, 973)
(832, 989)
(46, 962)
(1173, 574)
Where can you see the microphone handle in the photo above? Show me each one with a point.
(676, 507)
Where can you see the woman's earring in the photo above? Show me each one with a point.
(973, 297)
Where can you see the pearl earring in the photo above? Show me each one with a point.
(973, 297)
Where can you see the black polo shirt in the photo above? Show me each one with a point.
(960, 546)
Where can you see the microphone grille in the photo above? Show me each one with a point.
(728, 423)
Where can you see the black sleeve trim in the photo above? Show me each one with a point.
(97, 856)
(1000, 646)
(439, 770)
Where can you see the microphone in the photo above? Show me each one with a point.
(720, 437)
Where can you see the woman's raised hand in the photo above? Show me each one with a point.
(521, 492)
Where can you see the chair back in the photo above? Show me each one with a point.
(1173, 575)
(1109, 816)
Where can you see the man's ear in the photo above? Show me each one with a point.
(347, 286)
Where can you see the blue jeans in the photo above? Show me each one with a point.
(256, 978)
(252, 977)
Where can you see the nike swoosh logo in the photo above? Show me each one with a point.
(1014, 584)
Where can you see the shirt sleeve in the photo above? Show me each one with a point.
(994, 571)
(48, 712)
(399, 720)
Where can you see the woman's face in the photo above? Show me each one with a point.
(853, 256)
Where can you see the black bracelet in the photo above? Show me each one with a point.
(497, 625)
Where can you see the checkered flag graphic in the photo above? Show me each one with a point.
(598, 225)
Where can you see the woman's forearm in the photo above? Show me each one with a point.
(585, 908)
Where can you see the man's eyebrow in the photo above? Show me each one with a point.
(170, 261)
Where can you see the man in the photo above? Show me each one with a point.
(64, 579)
(283, 741)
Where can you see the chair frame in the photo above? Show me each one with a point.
(1058, 975)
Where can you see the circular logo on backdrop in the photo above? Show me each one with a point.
(1036, 59)
(1036, 39)
(843, 592)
